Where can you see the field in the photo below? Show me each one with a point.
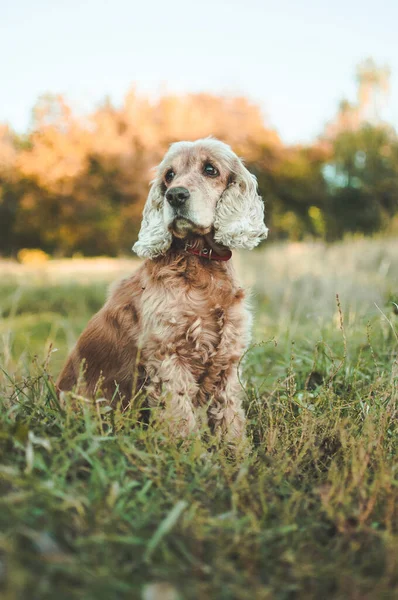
(93, 506)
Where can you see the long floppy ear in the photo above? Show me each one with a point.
(154, 238)
(239, 218)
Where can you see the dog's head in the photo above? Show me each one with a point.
(200, 188)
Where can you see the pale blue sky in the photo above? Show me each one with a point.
(296, 58)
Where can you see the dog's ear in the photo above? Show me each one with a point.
(154, 238)
(239, 218)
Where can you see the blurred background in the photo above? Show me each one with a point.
(94, 93)
(91, 95)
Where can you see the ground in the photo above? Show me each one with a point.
(93, 506)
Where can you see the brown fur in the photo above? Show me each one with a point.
(179, 326)
(179, 323)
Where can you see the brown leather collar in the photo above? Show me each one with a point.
(207, 252)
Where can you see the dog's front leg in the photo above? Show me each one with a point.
(170, 390)
(225, 413)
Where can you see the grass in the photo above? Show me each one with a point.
(92, 506)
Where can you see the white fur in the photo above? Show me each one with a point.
(154, 238)
(239, 216)
(237, 213)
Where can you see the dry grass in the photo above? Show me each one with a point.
(93, 506)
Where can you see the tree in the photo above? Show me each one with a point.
(362, 180)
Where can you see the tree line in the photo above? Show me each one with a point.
(72, 185)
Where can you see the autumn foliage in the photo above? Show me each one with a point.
(74, 185)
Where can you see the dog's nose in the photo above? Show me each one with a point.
(177, 196)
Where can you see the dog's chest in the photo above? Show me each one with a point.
(192, 322)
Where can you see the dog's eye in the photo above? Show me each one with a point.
(169, 175)
(210, 171)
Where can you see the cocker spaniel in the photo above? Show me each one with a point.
(178, 327)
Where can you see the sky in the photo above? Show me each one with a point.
(295, 58)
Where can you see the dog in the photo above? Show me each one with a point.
(178, 327)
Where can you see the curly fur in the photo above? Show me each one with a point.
(179, 325)
(154, 237)
(238, 213)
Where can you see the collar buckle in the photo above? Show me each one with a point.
(206, 252)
